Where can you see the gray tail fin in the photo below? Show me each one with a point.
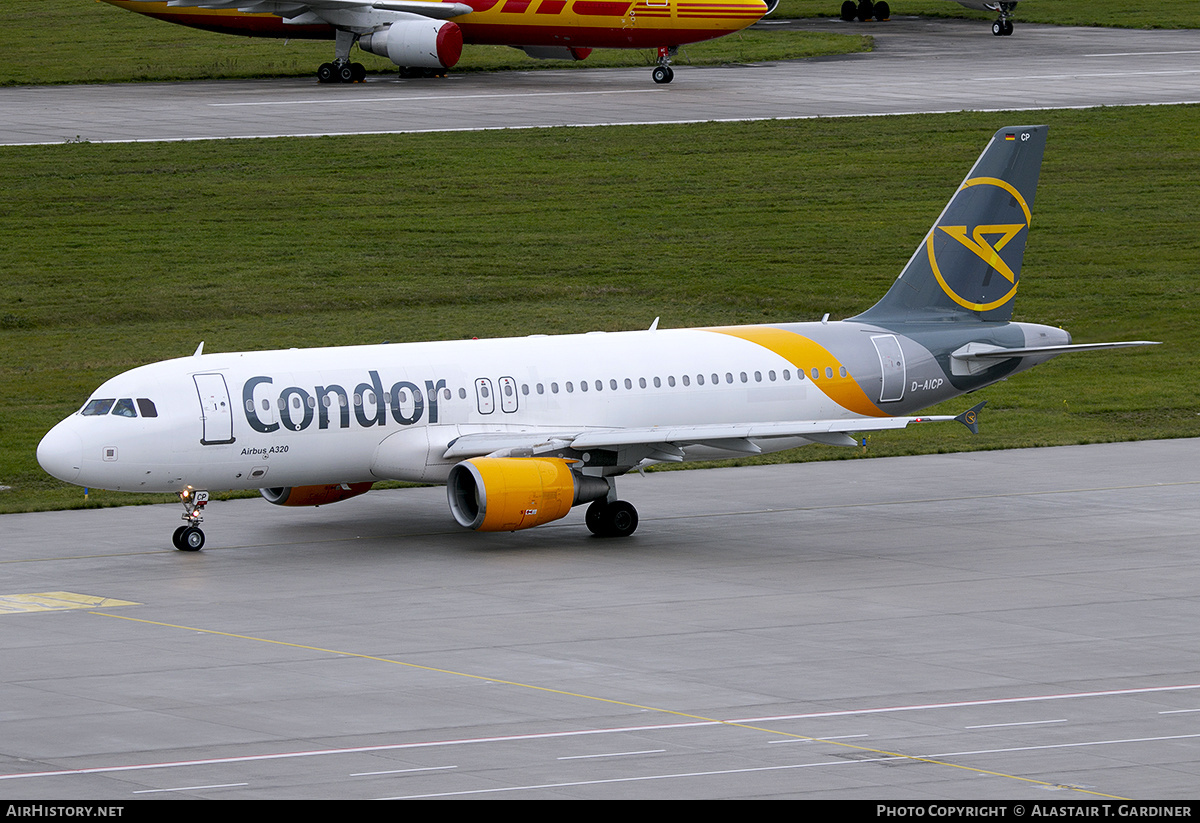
(969, 264)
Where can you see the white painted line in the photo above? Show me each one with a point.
(1081, 75)
(1007, 725)
(419, 98)
(638, 779)
(1141, 53)
(619, 730)
(612, 754)
(1079, 745)
(993, 702)
(191, 788)
(379, 132)
(781, 768)
(404, 771)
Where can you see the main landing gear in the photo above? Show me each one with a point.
(865, 10)
(616, 519)
(663, 73)
(341, 70)
(188, 537)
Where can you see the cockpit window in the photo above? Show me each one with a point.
(99, 406)
(146, 407)
(124, 408)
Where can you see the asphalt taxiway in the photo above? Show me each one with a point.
(1007, 624)
(917, 66)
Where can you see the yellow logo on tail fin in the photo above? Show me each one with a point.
(977, 243)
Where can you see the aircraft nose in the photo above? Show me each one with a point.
(61, 452)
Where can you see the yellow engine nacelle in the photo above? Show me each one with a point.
(504, 494)
(314, 495)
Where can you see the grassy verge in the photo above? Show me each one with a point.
(116, 255)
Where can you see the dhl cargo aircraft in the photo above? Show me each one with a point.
(864, 10)
(427, 36)
(522, 429)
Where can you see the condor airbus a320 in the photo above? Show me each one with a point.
(522, 429)
(427, 36)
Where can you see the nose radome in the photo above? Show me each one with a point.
(61, 452)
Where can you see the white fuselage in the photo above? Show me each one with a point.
(352, 414)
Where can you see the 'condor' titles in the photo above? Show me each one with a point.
(296, 408)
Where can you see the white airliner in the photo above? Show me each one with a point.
(522, 429)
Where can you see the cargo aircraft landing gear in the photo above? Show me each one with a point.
(865, 10)
(663, 73)
(341, 70)
(1004, 26)
(188, 537)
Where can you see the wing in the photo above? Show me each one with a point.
(330, 11)
(633, 446)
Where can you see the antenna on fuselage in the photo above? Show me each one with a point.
(199, 350)
(654, 325)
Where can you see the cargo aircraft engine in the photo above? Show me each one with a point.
(493, 494)
(416, 44)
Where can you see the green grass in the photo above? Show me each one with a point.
(81, 41)
(1151, 15)
(117, 255)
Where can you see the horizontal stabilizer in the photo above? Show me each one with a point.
(978, 352)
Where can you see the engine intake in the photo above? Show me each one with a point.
(504, 494)
(313, 495)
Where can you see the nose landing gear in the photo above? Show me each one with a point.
(1003, 27)
(663, 73)
(189, 537)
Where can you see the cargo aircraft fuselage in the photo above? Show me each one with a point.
(425, 37)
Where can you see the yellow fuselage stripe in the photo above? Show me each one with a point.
(805, 353)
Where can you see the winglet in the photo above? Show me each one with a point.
(970, 418)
